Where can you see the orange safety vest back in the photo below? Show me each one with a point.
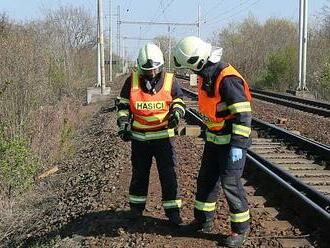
(210, 106)
(150, 111)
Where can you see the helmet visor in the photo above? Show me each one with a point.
(151, 73)
(150, 65)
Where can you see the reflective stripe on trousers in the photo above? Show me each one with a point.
(172, 204)
(216, 171)
(137, 199)
(141, 157)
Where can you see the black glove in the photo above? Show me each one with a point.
(174, 119)
(125, 132)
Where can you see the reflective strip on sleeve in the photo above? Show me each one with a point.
(241, 130)
(123, 100)
(172, 204)
(240, 107)
(179, 106)
(178, 100)
(122, 113)
(240, 217)
(205, 206)
(137, 199)
(153, 135)
(218, 139)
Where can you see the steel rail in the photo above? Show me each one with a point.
(314, 213)
(293, 104)
(316, 103)
(313, 147)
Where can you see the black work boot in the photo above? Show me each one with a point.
(236, 239)
(174, 218)
(134, 214)
(197, 226)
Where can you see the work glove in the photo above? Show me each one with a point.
(235, 153)
(174, 119)
(125, 132)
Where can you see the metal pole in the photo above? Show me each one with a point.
(102, 47)
(304, 50)
(110, 41)
(300, 43)
(123, 57)
(118, 30)
(169, 48)
(98, 65)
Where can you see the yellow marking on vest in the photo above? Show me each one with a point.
(154, 105)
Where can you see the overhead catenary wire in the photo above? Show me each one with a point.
(168, 24)
(164, 8)
(231, 11)
(243, 9)
(141, 29)
(213, 8)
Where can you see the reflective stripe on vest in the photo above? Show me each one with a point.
(214, 126)
(150, 111)
(167, 133)
(211, 107)
(141, 126)
(218, 139)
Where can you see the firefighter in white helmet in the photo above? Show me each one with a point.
(224, 101)
(149, 109)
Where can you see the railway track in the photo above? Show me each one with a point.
(308, 105)
(296, 165)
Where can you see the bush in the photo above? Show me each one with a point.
(281, 70)
(18, 165)
(325, 81)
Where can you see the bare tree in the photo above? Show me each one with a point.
(68, 31)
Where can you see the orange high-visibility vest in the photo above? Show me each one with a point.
(150, 111)
(210, 106)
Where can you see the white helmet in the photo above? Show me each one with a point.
(192, 53)
(150, 58)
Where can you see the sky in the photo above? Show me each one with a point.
(215, 14)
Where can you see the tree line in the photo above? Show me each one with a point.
(267, 53)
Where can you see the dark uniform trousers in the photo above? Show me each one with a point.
(142, 154)
(218, 170)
